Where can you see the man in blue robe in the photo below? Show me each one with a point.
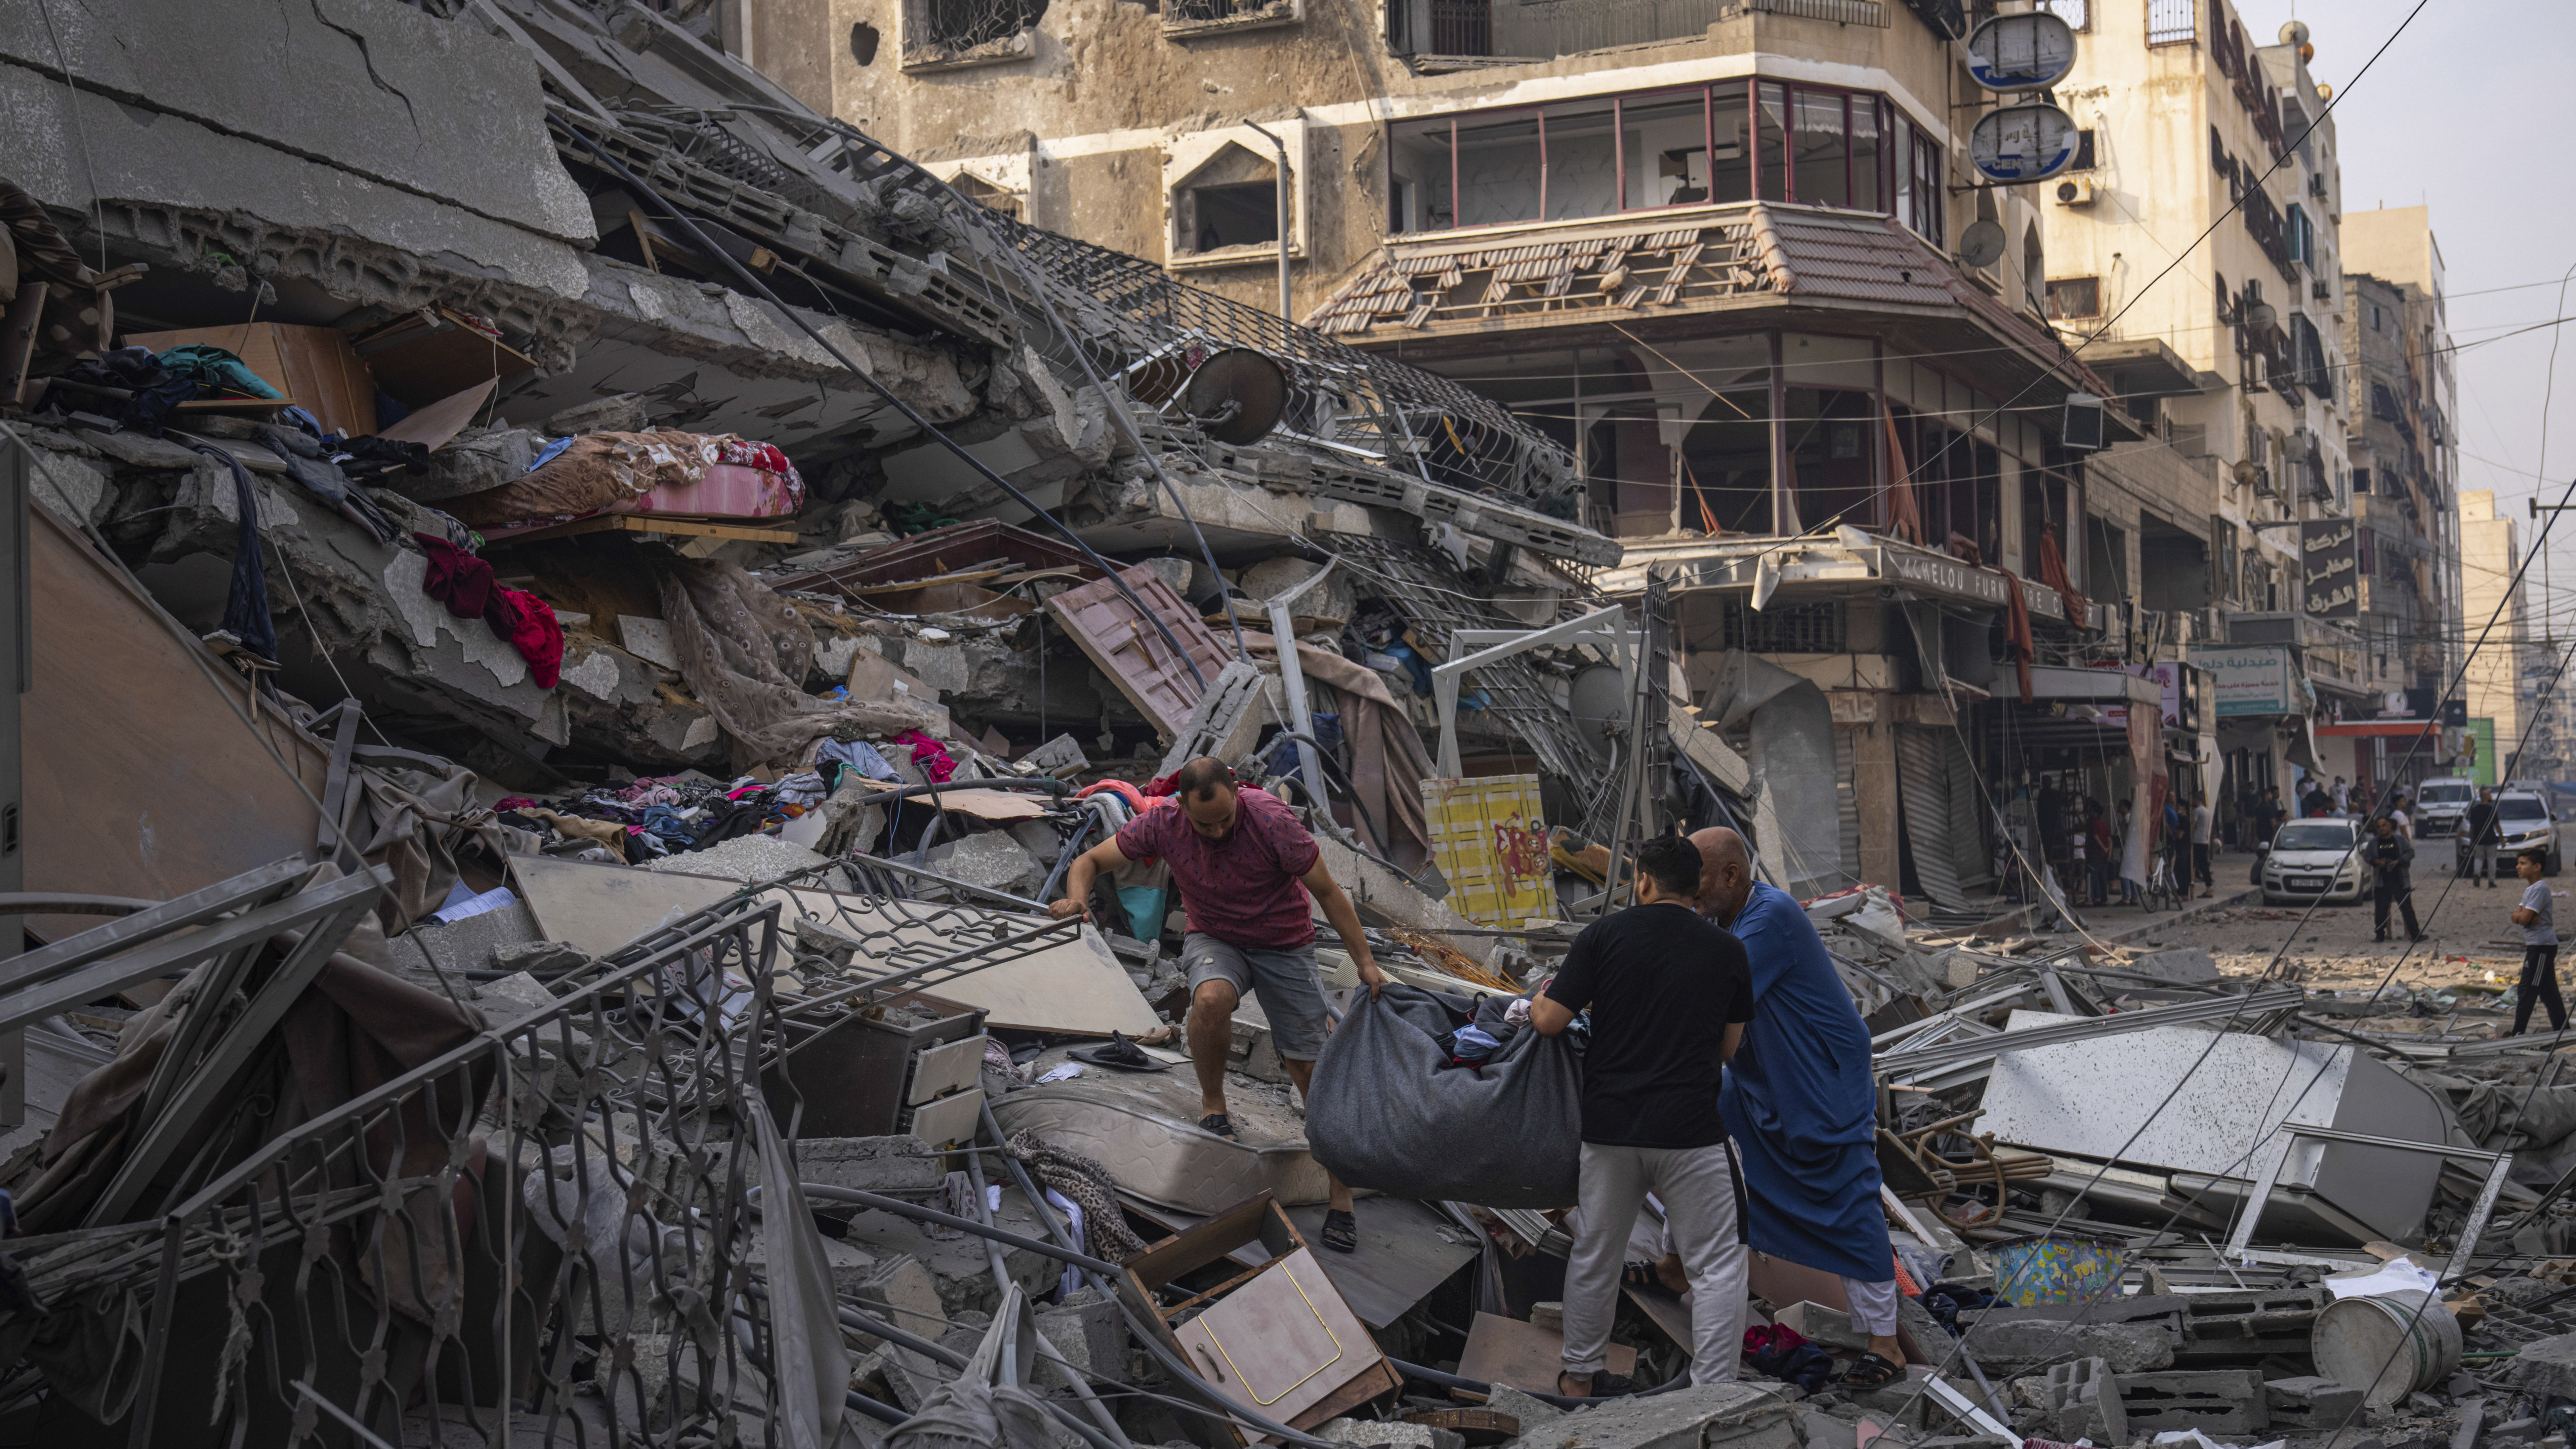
(1800, 1103)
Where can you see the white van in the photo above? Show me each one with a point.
(2439, 804)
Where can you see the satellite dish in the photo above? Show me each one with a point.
(2294, 32)
(2261, 317)
(1237, 396)
(1982, 244)
(1597, 697)
(2021, 144)
(2021, 52)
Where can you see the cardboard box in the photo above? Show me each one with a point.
(315, 367)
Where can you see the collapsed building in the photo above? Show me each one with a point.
(576, 606)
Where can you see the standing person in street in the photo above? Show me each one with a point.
(2539, 944)
(2131, 890)
(2391, 858)
(2478, 827)
(2097, 854)
(2202, 820)
(1669, 993)
(2342, 794)
(2316, 804)
(1244, 865)
(2177, 844)
(1802, 1106)
(2398, 811)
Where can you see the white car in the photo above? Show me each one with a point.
(2310, 859)
(2439, 804)
(2522, 821)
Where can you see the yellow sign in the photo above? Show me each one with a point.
(1489, 838)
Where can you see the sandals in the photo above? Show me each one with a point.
(1341, 1231)
(1220, 1124)
(1644, 1278)
(1605, 1384)
(1871, 1372)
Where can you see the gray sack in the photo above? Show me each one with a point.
(1387, 1114)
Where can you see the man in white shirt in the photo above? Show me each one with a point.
(2342, 796)
(2201, 821)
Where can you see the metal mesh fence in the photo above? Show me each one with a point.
(544, 1235)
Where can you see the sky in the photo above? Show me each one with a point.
(2446, 118)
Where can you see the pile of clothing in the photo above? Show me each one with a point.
(652, 818)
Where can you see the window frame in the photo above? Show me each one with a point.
(1921, 151)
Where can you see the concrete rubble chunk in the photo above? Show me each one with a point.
(1393, 1433)
(1533, 1413)
(1090, 1332)
(533, 956)
(2544, 1367)
(869, 1164)
(621, 413)
(1736, 1414)
(2083, 1402)
(900, 1292)
(2321, 1404)
(2214, 1401)
(992, 860)
(2028, 1345)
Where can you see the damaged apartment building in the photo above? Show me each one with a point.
(1714, 252)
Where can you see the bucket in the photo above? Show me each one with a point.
(2058, 1268)
(2388, 1345)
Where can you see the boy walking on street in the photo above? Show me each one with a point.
(2539, 945)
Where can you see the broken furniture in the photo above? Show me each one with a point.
(1277, 1339)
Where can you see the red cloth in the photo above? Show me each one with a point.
(464, 584)
(456, 578)
(2053, 575)
(2017, 640)
(1137, 801)
(1244, 889)
(929, 754)
(532, 630)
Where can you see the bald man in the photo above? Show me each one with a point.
(1245, 866)
(1800, 1104)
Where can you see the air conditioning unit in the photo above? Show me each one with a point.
(2075, 191)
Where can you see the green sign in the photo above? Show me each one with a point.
(2482, 739)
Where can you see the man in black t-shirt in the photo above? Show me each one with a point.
(1669, 992)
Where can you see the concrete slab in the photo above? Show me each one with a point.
(1683, 1419)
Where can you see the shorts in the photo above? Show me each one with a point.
(1291, 996)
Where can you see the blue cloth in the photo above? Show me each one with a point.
(1800, 1104)
(859, 756)
(551, 452)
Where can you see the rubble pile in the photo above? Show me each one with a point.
(558, 744)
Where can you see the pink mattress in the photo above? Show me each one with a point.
(729, 490)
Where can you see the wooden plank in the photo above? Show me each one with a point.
(1133, 653)
(314, 366)
(1523, 1355)
(141, 780)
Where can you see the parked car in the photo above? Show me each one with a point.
(2522, 821)
(2311, 859)
(2439, 803)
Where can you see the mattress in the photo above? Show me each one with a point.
(729, 490)
(1143, 1127)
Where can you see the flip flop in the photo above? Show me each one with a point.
(1119, 1054)
(1871, 1372)
(1341, 1231)
(1220, 1124)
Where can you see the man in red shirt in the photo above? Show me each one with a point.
(1244, 865)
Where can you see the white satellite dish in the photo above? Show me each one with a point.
(1597, 697)
(1982, 244)
(2021, 52)
(2261, 317)
(2021, 144)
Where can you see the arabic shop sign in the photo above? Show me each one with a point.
(2249, 679)
(2330, 565)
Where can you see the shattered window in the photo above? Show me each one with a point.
(965, 24)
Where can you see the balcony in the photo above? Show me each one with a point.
(1462, 34)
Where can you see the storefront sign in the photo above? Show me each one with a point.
(2168, 678)
(1940, 571)
(2330, 564)
(2250, 679)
